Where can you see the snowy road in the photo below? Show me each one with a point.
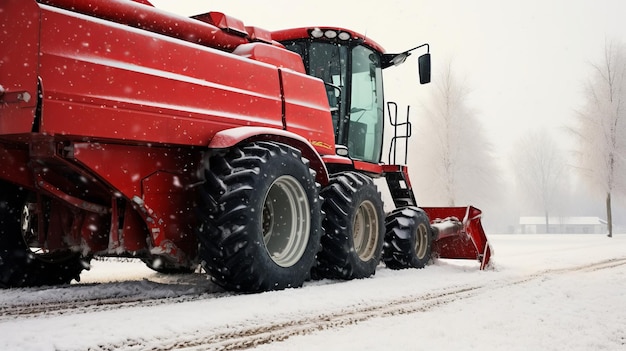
(545, 292)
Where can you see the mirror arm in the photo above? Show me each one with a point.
(417, 47)
(397, 59)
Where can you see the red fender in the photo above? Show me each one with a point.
(230, 137)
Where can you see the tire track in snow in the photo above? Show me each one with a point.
(607, 264)
(90, 298)
(240, 337)
(89, 306)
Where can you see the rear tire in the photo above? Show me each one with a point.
(354, 227)
(408, 239)
(20, 266)
(261, 218)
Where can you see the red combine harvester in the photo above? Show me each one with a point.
(129, 131)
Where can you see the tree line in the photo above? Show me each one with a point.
(456, 160)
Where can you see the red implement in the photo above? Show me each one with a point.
(459, 234)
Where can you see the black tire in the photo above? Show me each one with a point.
(260, 219)
(354, 224)
(19, 265)
(408, 239)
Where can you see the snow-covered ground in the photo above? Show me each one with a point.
(544, 292)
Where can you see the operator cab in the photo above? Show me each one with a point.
(352, 73)
(351, 67)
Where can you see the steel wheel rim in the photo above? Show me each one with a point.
(421, 241)
(365, 231)
(286, 221)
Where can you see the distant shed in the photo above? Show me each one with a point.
(562, 225)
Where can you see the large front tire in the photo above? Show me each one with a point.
(22, 264)
(352, 245)
(408, 239)
(261, 221)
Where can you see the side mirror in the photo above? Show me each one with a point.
(423, 63)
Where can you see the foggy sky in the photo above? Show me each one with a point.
(524, 61)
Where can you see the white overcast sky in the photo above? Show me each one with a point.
(525, 61)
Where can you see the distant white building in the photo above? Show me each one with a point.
(562, 225)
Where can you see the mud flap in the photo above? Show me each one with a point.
(458, 234)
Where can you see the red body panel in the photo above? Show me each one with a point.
(307, 112)
(131, 98)
(202, 31)
(19, 48)
(101, 84)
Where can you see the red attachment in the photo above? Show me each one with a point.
(259, 34)
(145, 2)
(225, 22)
(460, 234)
(137, 14)
(272, 55)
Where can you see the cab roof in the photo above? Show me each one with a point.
(329, 33)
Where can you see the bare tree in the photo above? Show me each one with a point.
(601, 127)
(455, 165)
(539, 168)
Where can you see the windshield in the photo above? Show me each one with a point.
(366, 106)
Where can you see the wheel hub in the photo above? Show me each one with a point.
(365, 233)
(421, 241)
(286, 221)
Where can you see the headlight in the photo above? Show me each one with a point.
(317, 33)
(344, 35)
(330, 34)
